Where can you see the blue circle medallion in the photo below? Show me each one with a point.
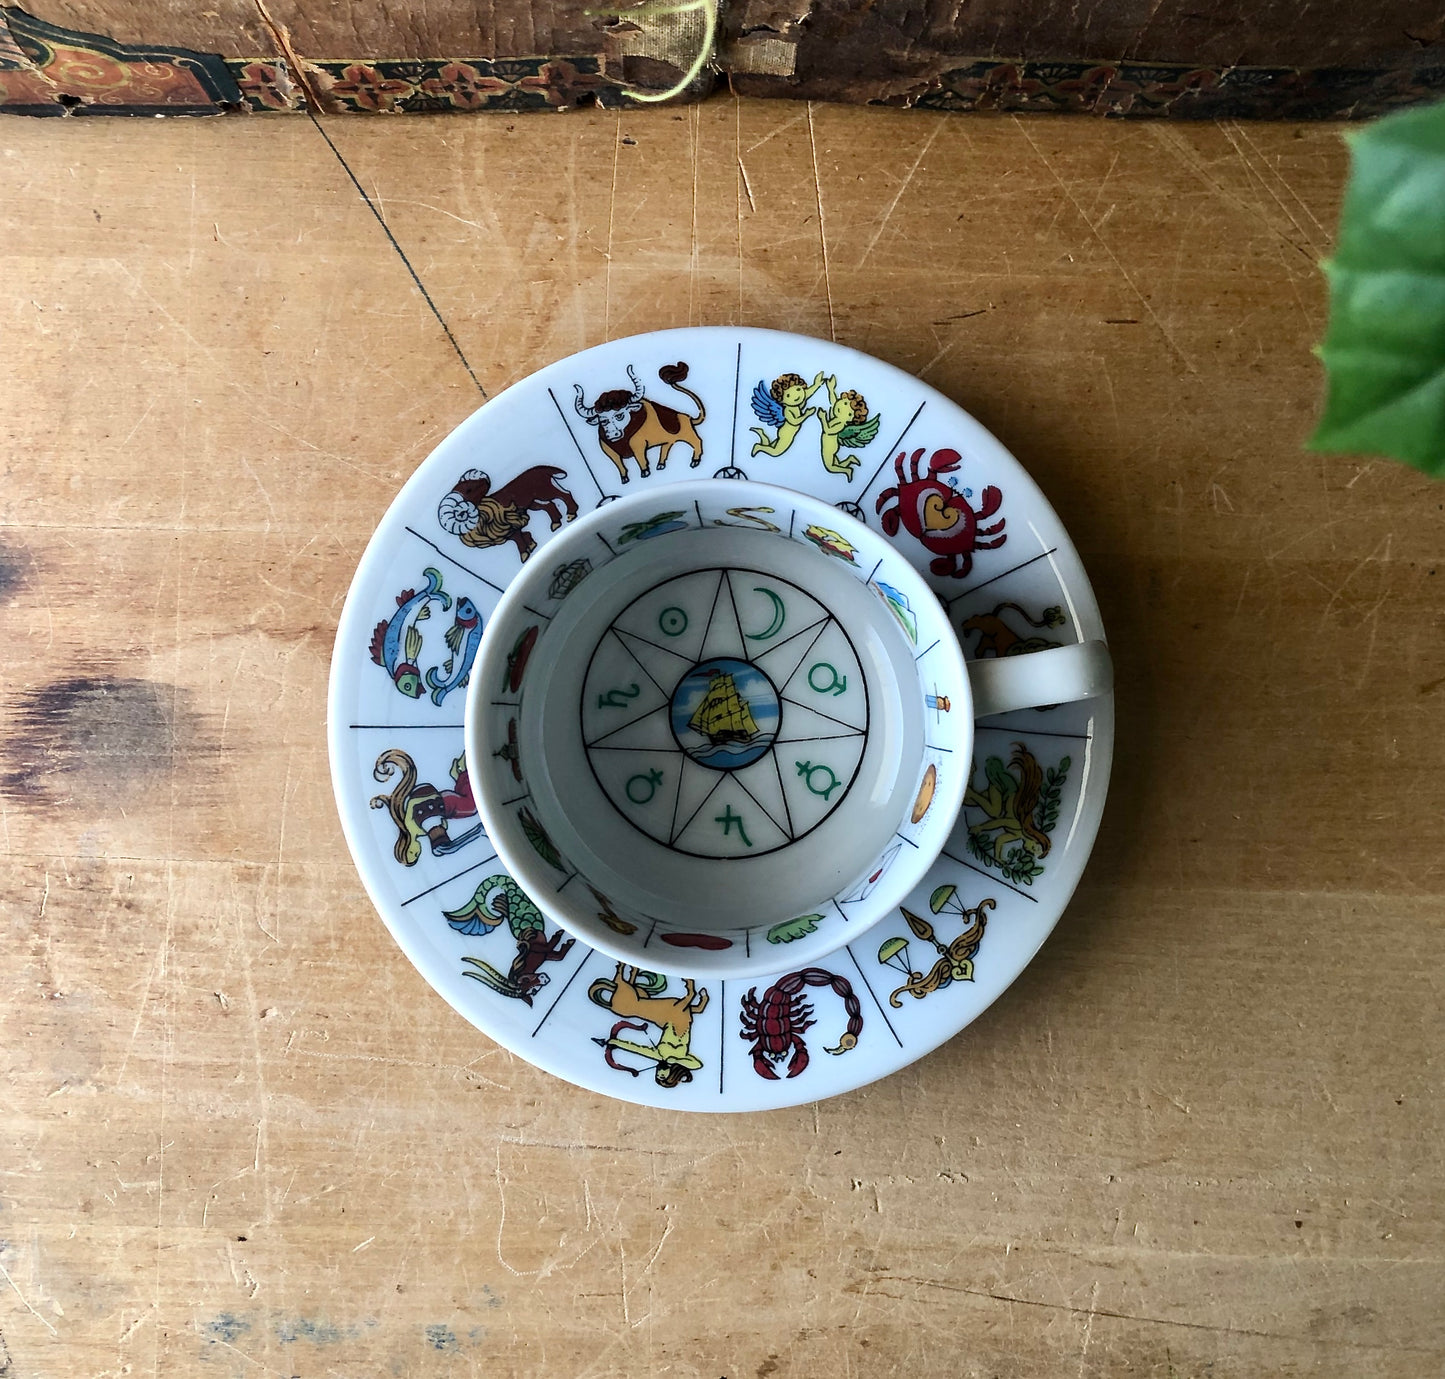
(725, 713)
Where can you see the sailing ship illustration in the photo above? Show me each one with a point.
(723, 716)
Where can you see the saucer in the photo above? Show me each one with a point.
(716, 402)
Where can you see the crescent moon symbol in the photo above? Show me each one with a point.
(780, 614)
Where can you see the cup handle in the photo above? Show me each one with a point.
(1059, 675)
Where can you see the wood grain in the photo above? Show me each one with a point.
(1202, 1134)
(846, 46)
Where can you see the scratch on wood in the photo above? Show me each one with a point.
(611, 223)
(898, 195)
(1178, 146)
(1104, 245)
(1212, 1327)
(1088, 1329)
(375, 210)
(652, 1258)
(747, 186)
(773, 133)
(1229, 130)
(5, 1273)
(822, 226)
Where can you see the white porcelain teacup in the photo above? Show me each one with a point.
(724, 727)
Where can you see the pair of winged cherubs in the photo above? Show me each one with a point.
(845, 423)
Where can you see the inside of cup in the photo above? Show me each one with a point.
(716, 728)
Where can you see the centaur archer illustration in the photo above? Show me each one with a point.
(639, 1000)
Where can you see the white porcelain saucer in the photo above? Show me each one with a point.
(887, 449)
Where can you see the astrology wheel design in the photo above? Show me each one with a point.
(725, 713)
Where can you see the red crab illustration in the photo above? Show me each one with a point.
(941, 517)
(776, 1023)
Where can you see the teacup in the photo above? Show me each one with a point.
(719, 720)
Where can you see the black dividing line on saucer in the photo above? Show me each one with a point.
(998, 880)
(873, 571)
(909, 841)
(863, 492)
(587, 957)
(455, 877)
(604, 541)
(733, 451)
(983, 726)
(933, 747)
(517, 799)
(927, 649)
(722, 1001)
(864, 977)
(1003, 574)
(408, 727)
(454, 561)
(834, 903)
(581, 454)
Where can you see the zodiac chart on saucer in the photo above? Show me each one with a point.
(725, 713)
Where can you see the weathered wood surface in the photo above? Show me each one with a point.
(1201, 1136)
(870, 40)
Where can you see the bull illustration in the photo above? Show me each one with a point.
(629, 425)
(483, 516)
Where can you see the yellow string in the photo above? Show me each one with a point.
(709, 35)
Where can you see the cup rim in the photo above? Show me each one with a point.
(527, 868)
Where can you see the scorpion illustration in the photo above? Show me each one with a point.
(940, 516)
(776, 1023)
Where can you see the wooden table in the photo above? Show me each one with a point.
(1202, 1136)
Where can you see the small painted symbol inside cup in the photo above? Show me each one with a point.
(828, 681)
(727, 819)
(780, 616)
(517, 660)
(619, 698)
(672, 622)
(807, 770)
(642, 787)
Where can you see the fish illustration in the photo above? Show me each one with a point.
(396, 644)
(462, 639)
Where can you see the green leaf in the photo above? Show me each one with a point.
(1385, 347)
(791, 929)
